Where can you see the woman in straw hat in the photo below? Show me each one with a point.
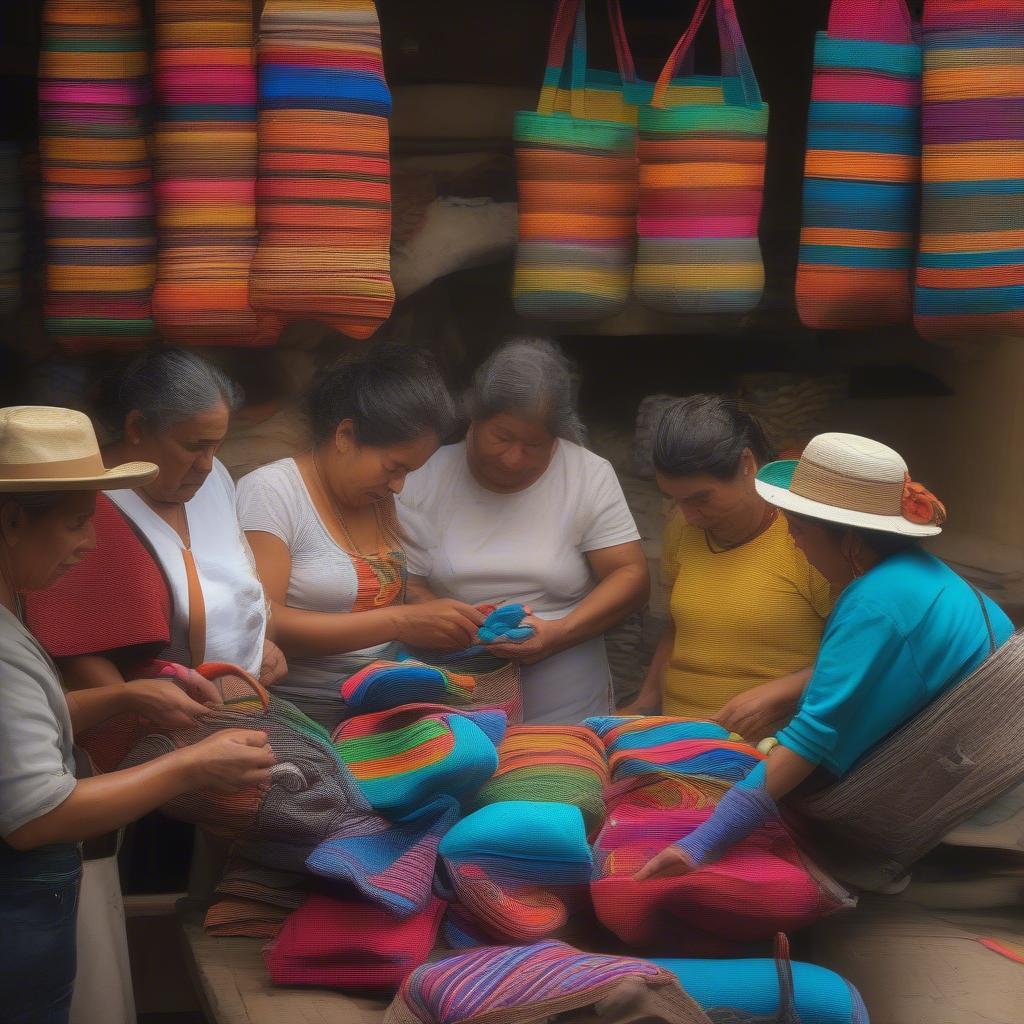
(50, 473)
(905, 629)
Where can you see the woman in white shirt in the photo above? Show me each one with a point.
(521, 512)
(324, 532)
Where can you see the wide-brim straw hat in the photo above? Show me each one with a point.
(844, 479)
(43, 448)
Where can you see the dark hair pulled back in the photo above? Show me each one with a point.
(707, 434)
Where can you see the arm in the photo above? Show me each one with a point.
(649, 697)
(753, 713)
(623, 587)
(83, 672)
(417, 591)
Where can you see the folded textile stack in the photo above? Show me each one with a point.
(205, 165)
(516, 869)
(551, 764)
(97, 185)
(11, 227)
(253, 901)
(667, 778)
(324, 189)
(532, 984)
(336, 943)
(403, 758)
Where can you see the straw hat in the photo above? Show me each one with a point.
(48, 449)
(854, 481)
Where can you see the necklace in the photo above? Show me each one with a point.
(349, 540)
(770, 515)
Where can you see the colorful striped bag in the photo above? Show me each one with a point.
(97, 184)
(324, 186)
(862, 171)
(577, 194)
(970, 269)
(205, 165)
(701, 184)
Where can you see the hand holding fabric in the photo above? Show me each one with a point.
(166, 704)
(545, 641)
(753, 713)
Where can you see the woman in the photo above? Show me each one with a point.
(171, 578)
(323, 530)
(904, 630)
(521, 512)
(50, 471)
(747, 611)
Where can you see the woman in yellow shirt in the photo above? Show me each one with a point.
(747, 609)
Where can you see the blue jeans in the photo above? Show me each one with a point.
(37, 939)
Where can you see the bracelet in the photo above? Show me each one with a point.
(767, 745)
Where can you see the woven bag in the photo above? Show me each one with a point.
(324, 185)
(97, 185)
(701, 184)
(970, 268)
(862, 170)
(577, 194)
(205, 165)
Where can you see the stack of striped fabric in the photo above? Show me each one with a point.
(205, 85)
(516, 869)
(324, 190)
(577, 194)
(401, 759)
(551, 764)
(862, 171)
(970, 271)
(97, 186)
(668, 776)
(253, 901)
(701, 183)
(546, 981)
(11, 213)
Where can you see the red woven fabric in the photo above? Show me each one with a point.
(345, 944)
(115, 597)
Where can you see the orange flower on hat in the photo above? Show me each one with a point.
(920, 506)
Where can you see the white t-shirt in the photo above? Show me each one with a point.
(323, 578)
(480, 547)
(236, 608)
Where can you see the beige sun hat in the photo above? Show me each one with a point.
(853, 481)
(43, 448)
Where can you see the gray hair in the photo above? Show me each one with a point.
(167, 386)
(529, 376)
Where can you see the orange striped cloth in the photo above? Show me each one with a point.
(97, 184)
(324, 188)
(205, 85)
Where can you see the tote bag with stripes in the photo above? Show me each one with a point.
(577, 194)
(205, 165)
(324, 178)
(97, 186)
(862, 170)
(701, 184)
(970, 267)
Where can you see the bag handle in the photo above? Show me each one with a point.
(568, 28)
(786, 1013)
(213, 670)
(879, 21)
(738, 80)
(623, 52)
(992, 646)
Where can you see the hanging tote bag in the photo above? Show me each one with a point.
(577, 194)
(324, 184)
(701, 184)
(97, 187)
(862, 170)
(970, 267)
(205, 166)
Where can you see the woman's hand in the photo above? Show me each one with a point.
(439, 625)
(670, 863)
(166, 704)
(273, 666)
(646, 702)
(546, 640)
(754, 713)
(230, 760)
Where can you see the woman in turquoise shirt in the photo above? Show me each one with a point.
(904, 629)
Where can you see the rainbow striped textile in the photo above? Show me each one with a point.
(701, 184)
(577, 194)
(970, 267)
(205, 165)
(862, 170)
(324, 185)
(97, 185)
